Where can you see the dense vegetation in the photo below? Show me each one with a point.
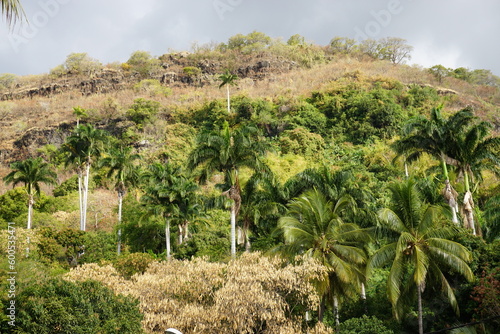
(363, 203)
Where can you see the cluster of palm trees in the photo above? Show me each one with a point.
(321, 213)
(461, 142)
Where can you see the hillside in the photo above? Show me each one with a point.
(38, 105)
(169, 181)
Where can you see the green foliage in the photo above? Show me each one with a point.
(142, 111)
(75, 308)
(143, 63)
(301, 141)
(191, 71)
(13, 203)
(211, 241)
(152, 87)
(363, 325)
(246, 44)
(81, 63)
(99, 246)
(307, 115)
(128, 265)
(7, 80)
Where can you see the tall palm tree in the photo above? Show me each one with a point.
(313, 226)
(228, 79)
(31, 172)
(434, 137)
(12, 11)
(420, 250)
(227, 151)
(120, 161)
(471, 152)
(82, 147)
(169, 194)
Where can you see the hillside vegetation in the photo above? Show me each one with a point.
(252, 186)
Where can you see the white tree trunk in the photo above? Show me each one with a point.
(30, 210)
(120, 204)
(167, 238)
(228, 100)
(233, 230)
(86, 178)
(80, 198)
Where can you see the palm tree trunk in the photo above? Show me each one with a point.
(336, 310)
(321, 309)
(86, 178)
(449, 193)
(469, 205)
(233, 230)
(363, 297)
(80, 197)
(420, 319)
(167, 238)
(120, 204)
(30, 210)
(228, 100)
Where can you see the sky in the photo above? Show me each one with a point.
(453, 33)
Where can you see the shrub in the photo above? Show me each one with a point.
(142, 111)
(128, 265)
(75, 308)
(363, 325)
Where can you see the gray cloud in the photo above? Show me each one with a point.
(450, 32)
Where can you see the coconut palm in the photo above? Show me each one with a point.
(120, 161)
(12, 11)
(82, 147)
(227, 151)
(228, 79)
(420, 251)
(434, 137)
(313, 227)
(31, 172)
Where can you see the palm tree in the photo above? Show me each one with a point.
(31, 172)
(81, 148)
(471, 152)
(79, 112)
(420, 250)
(227, 151)
(313, 227)
(12, 10)
(120, 161)
(169, 194)
(228, 79)
(434, 137)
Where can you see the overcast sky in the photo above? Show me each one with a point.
(453, 33)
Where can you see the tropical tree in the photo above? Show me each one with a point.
(420, 250)
(434, 136)
(79, 112)
(31, 172)
(82, 147)
(169, 194)
(12, 11)
(120, 161)
(472, 151)
(313, 226)
(228, 79)
(227, 151)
